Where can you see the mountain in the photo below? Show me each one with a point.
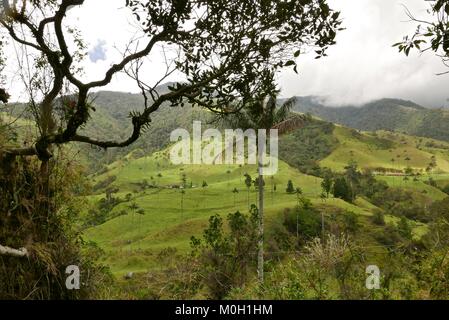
(385, 114)
(111, 121)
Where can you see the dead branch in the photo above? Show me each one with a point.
(22, 252)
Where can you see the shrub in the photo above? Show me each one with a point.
(290, 188)
(306, 221)
(342, 190)
(225, 259)
(351, 222)
(378, 217)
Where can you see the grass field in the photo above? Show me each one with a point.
(168, 224)
(172, 214)
(387, 150)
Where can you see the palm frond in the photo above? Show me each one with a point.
(284, 110)
(291, 124)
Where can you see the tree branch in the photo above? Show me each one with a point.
(30, 151)
(140, 121)
(119, 67)
(13, 35)
(22, 252)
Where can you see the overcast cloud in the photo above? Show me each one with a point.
(362, 66)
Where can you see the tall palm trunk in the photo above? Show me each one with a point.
(260, 252)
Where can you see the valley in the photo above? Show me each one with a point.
(159, 206)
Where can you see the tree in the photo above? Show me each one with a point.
(133, 207)
(233, 48)
(378, 217)
(404, 228)
(351, 222)
(432, 164)
(446, 189)
(438, 235)
(264, 113)
(430, 35)
(272, 188)
(226, 257)
(298, 192)
(290, 188)
(257, 182)
(408, 171)
(226, 50)
(204, 186)
(353, 177)
(326, 184)
(323, 196)
(4, 96)
(342, 189)
(303, 221)
(184, 180)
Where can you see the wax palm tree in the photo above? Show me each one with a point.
(264, 113)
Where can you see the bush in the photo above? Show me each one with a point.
(404, 228)
(290, 188)
(389, 236)
(306, 220)
(351, 222)
(225, 259)
(342, 190)
(378, 217)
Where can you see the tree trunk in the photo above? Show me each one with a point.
(261, 228)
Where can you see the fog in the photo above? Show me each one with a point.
(364, 66)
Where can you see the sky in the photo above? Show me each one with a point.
(361, 67)
(364, 66)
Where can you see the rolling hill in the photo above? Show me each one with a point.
(385, 114)
(149, 183)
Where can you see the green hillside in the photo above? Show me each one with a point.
(385, 114)
(386, 150)
(132, 241)
(165, 223)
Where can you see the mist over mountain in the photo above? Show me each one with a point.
(384, 114)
